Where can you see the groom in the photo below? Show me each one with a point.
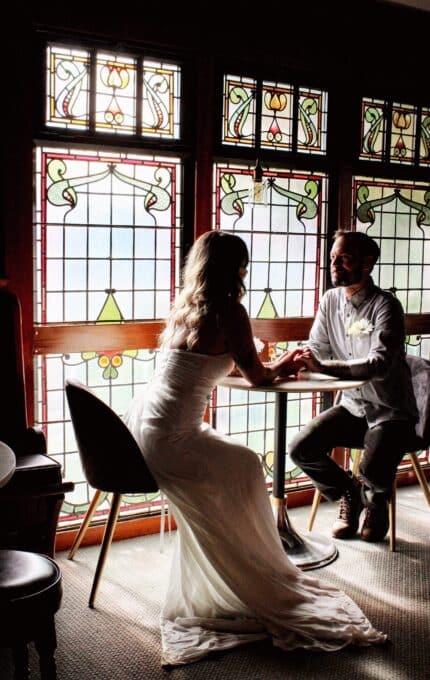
(358, 333)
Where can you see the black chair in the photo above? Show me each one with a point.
(420, 373)
(30, 595)
(111, 459)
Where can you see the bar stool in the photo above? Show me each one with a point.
(30, 595)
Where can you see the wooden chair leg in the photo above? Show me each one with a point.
(420, 476)
(314, 509)
(107, 540)
(392, 518)
(84, 526)
(356, 463)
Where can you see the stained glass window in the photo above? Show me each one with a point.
(312, 121)
(425, 137)
(67, 87)
(106, 227)
(373, 129)
(407, 127)
(114, 376)
(115, 93)
(239, 110)
(107, 249)
(397, 215)
(161, 100)
(121, 105)
(273, 125)
(403, 133)
(286, 241)
(277, 116)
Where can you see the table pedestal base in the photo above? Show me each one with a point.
(311, 552)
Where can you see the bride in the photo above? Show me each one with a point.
(231, 582)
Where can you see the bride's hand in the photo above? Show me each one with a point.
(290, 362)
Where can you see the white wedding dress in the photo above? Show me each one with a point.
(231, 581)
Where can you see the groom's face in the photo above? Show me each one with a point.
(347, 266)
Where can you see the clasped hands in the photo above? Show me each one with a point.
(299, 359)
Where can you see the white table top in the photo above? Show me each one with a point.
(7, 463)
(308, 382)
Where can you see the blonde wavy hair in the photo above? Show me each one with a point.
(210, 278)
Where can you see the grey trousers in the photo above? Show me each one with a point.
(384, 447)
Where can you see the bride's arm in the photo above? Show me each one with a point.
(240, 341)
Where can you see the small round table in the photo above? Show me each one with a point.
(315, 550)
(7, 463)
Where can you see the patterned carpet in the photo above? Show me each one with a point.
(120, 640)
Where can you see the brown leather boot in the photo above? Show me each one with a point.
(376, 522)
(350, 507)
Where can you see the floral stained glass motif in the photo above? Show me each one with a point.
(277, 116)
(276, 127)
(405, 126)
(312, 121)
(425, 137)
(106, 224)
(239, 111)
(161, 100)
(403, 134)
(52, 414)
(106, 250)
(114, 91)
(286, 241)
(67, 87)
(373, 129)
(115, 94)
(397, 215)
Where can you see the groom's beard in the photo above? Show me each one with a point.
(342, 277)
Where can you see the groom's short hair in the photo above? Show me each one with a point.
(364, 245)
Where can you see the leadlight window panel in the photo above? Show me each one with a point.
(67, 87)
(290, 231)
(396, 214)
(403, 133)
(238, 120)
(373, 129)
(425, 137)
(114, 91)
(312, 121)
(106, 227)
(292, 227)
(277, 103)
(114, 377)
(161, 100)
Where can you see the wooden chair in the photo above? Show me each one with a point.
(111, 459)
(420, 373)
(30, 595)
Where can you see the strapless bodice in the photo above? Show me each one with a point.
(177, 396)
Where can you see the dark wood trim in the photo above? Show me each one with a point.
(62, 338)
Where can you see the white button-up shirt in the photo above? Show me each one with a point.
(373, 350)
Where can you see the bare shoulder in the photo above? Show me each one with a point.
(234, 312)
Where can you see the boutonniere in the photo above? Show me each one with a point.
(360, 326)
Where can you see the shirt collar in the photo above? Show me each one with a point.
(361, 295)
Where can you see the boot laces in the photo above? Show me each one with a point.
(347, 506)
